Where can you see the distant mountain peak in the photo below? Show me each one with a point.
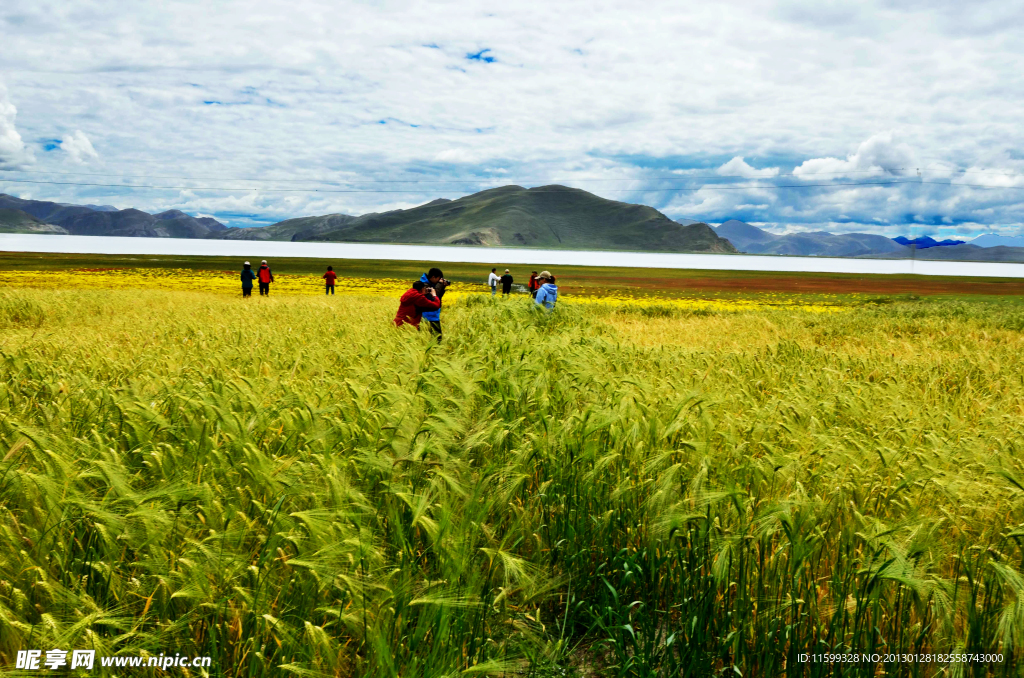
(924, 242)
(170, 214)
(211, 223)
(996, 240)
(737, 231)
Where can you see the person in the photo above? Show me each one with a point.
(547, 295)
(534, 284)
(329, 278)
(247, 277)
(266, 277)
(506, 283)
(414, 302)
(434, 279)
(492, 280)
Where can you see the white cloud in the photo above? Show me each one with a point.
(303, 94)
(880, 154)
(980, 176)
(738, 167)
(78, 147)
(13, 152)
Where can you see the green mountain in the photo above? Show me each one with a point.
(16, 221)
(286, 230)
(552, 217)
(58, 217)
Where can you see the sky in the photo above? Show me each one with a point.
(257, 111)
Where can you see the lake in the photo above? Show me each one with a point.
(496, 256)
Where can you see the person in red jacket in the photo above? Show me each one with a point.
(329, 278)
(266, 277)
(534, 284)
(413, 303)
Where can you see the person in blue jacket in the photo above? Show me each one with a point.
(435, 278)
(547, 295)
(247, 277)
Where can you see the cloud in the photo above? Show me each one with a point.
(738, 167)
(881, 153)
(78, 147)
(189, 92)
(13, 152)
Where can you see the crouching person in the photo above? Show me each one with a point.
(413, 303)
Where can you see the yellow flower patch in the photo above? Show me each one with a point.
(228, 282)
(763, 302)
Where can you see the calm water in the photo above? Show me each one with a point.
(490, 256)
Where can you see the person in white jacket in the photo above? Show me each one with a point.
(492, 280)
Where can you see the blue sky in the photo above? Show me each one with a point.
(258, 111)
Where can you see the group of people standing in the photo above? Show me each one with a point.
(423, 300)
(263, 275)
(542, 286)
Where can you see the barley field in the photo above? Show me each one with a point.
(293, 486)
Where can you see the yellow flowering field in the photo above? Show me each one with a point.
(762, 302)
(194, 280)
(227, 282)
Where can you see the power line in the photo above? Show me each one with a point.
(674, 189)
(485, 180)
(477, 180)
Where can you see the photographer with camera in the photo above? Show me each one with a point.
(413, 304)
(434, 279)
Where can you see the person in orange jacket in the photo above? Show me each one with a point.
(413, 303)
(266, 277)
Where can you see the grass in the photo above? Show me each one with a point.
(292, 486)
(582, 280)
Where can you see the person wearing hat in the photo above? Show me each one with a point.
(266, 277)
(506, 283)
(547, 295)
(247, 277)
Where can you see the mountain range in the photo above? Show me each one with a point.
(753, 240)
(551, 217)
(993, 240)
(104, 220)
(966, 252)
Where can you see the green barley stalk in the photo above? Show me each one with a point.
(293, 486)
